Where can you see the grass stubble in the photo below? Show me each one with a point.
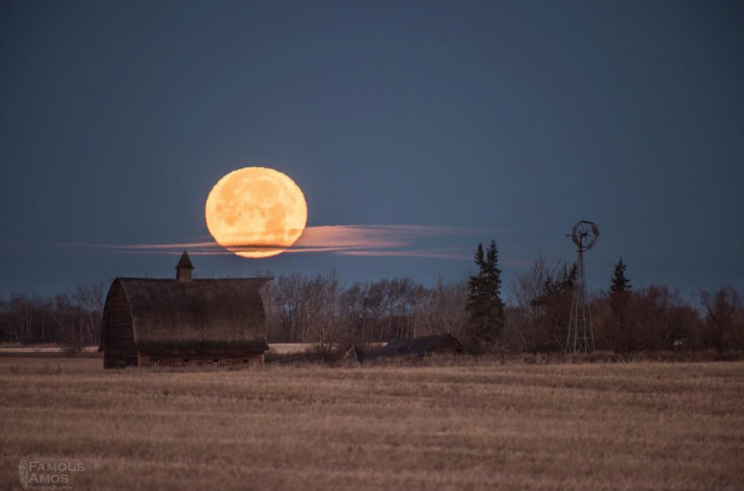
(450, 425)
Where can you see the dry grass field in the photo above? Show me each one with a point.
(463, 425)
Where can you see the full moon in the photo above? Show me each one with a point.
(256, 212)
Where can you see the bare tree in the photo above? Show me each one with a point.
(540, 300)
(724, 318)
(442, 309)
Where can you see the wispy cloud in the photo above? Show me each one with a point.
(344, 240)
(431, 253)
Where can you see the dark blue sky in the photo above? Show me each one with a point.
(514, 118)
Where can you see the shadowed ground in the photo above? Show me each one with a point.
(474, 425)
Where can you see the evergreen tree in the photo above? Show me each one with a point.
(620, 291)
(484, 305)
(620, 284)
(476, 303)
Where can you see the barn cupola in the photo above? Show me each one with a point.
(184, 268)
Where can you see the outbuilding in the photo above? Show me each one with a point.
(423, 346)
(184, 321)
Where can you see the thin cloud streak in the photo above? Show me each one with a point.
(344, 240)
(411, 253)
(178, 245)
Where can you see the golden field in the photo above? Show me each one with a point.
(444, 425)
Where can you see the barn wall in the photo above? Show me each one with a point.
(118, 330)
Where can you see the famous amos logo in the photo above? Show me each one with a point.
(48, 475)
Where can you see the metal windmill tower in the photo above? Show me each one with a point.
(580, 337)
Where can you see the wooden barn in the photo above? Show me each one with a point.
(184, 320)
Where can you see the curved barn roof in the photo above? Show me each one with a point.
(202, 313)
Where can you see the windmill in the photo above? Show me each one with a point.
(580, 337)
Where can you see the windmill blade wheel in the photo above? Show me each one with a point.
(585, 234)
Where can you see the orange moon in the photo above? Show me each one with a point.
(256, 212)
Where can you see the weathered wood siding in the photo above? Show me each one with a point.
(118, 330)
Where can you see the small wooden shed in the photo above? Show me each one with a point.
(423, 346)
(184, 321)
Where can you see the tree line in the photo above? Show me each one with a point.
(322, 309)
(68, 319)
(625, 319)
